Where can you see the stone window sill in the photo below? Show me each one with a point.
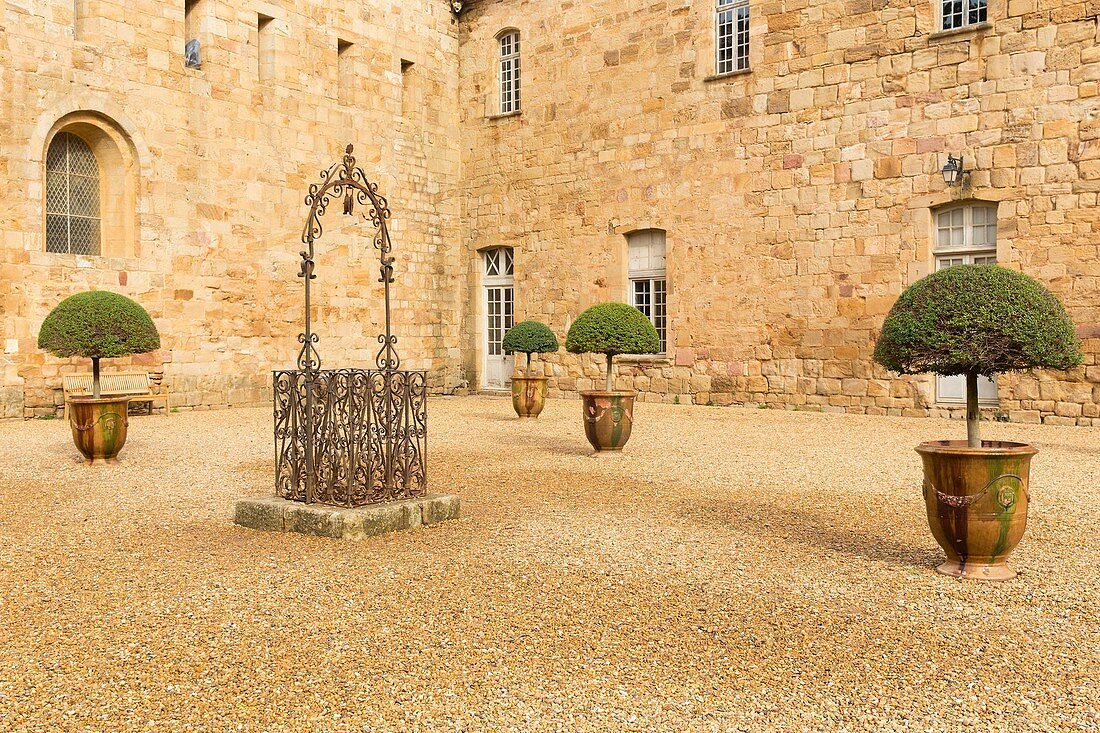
(728, 75)
(644, 360)
(505, 116)
(962, 31)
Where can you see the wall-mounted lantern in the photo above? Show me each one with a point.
(953, 171)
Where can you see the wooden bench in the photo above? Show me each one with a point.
(135, 385)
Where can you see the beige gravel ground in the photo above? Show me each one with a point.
(735, 570)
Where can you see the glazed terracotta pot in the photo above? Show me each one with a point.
(977, 503)
(99, 427)
(528, 395)
(608, 417)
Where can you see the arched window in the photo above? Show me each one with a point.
(72, 197)
(90, 185)
(509, 72)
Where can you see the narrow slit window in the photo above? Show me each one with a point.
(345, 74)
(265, 47)
(72, 197)
(192, 46)
(731, 24)
(509, 73)
(80, 19)
(408, 103)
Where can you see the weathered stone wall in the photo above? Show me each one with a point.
(798, 197)
(220, 162)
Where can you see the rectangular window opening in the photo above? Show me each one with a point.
(965, 235)
(509, 73)
(192, 46)
(648, 283)
(731, 27)
(961, 13)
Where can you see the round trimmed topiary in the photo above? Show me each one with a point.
(611, 329)
(530, 337)
(977, 320)
(98, 325)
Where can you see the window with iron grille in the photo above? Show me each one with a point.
(961, 13)
(731, 24)
(72, 197)
(646, 273)
(509, 73)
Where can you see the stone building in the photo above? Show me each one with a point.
(762, 178)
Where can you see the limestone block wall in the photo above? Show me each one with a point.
(798, 197)
(216, 162)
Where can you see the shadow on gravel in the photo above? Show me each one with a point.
(576, 446)
(868, 539)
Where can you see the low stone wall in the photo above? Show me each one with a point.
(1056, 398)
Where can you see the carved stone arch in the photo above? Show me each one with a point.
(119, 165)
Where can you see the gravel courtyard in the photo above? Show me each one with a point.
(734, 570)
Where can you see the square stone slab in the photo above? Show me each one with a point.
(279, 515)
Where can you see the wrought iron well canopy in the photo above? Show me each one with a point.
(349, 437)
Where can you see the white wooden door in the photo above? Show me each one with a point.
(499, 316)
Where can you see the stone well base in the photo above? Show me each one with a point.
(280, 515)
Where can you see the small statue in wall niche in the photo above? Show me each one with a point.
(456, 7)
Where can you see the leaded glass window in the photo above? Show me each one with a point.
(72, 197)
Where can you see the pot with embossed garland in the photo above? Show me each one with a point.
(977, 321)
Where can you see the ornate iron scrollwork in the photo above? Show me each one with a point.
(349, 437)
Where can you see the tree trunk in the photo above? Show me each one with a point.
(608, 376)
(95, 377)
(973, 416)
(527, 371)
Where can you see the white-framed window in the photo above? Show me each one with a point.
(731, 36)
(73, 213)
(961, 13)
(965, 235)
(509, 72)
(646, 275)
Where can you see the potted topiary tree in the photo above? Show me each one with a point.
(98, 325)
(976, 320)
(529, 391)
(610, 329)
